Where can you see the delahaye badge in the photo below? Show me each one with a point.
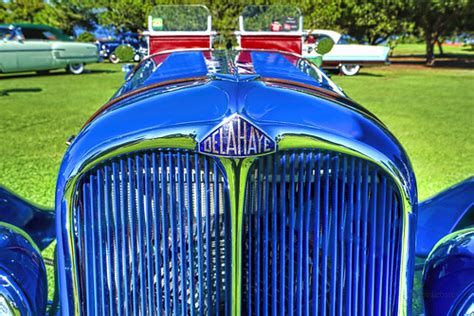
(237, 137)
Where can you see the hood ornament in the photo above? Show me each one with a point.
(236, 137)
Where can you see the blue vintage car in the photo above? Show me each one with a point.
(133, 40)
(237, 182)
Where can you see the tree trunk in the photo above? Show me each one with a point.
(440, 47)
(430, 57)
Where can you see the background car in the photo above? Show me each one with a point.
(40, 48)
(107, 48)
(346, 57)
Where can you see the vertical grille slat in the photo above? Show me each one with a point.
(300, 225)
(333, 255)
(102, 277)
(342, 226)
(182, 236)
(364, 241)
(116, 229)
(380, 247)
(200, 247)
(143, 222)
(131, 225)
(157, 234)
(325, 233)
(87, 245)
(335, 225)
(316, 224)
(309, 187)
(372, 238)
(189, 200)
(349, 291)
(140, 230)
(148, 234)
(108, 236)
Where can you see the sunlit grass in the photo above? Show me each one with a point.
(420, 49)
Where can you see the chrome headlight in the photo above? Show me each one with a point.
(12, 302)
(23, 283)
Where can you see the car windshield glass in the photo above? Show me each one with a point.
(33, 34)
(184, 18)
(47, 34)
(345, 39)
(271, 18)
(5, 33)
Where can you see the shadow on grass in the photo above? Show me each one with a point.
(448, 60)
(6, 92)
(54, 74)
(360, 74)
(368, 74)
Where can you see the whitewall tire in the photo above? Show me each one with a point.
(75, 69)
(350, 69)
(114, 59)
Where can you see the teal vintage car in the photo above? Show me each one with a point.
(40, 48)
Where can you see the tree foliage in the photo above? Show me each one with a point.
(86, 37)
(322, 14)
(368, 21)
(125, 14)
(24, 11)
(374, 22)
(438, 18)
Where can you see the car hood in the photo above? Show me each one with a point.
(192, 111)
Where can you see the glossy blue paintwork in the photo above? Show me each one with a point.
(22, 271)
(229, 65)
(196, 109)
(450, 210)
(36, 221)
(448, 278)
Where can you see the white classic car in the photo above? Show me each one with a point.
(348, 58)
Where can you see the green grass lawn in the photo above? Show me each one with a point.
(420, 49)
(431, 112)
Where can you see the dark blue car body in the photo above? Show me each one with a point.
(107, 47)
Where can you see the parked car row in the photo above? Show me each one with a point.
(41, 48)
(35, 47)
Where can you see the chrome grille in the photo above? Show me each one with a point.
(322, 236)
(153, 236)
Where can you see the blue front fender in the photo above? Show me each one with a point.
(36, 221)
(446, 212)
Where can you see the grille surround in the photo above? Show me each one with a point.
(258, 159)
